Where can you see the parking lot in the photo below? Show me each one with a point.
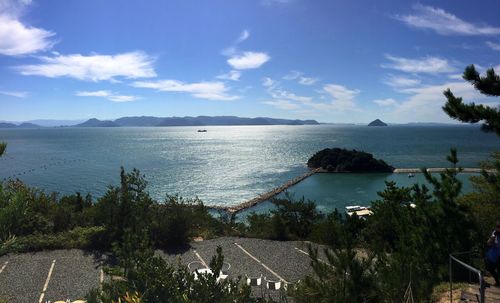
(51, 276)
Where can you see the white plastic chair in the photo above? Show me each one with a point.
(254, 281)
(273, 285)
(224, 273)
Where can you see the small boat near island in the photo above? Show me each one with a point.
(360, 211)
(411, 175)
(202, 130)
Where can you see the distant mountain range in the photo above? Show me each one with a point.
(182, 121)
(22, 125)
(192, 121)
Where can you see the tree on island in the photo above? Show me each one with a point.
(343, 160)
(472, 113)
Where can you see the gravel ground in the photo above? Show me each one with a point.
(75, 272)
(281, 257)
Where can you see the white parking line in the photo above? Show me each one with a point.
(101, 278)
(200, 258)
(47, 281)
(307, 254)
(4, 265)
(263, 265)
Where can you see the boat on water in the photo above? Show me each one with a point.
(411, 175)
(202, 130)
(360, 211)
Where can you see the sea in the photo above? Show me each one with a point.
(228, 165)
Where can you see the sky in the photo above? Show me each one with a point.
(337, 61)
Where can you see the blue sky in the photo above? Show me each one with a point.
(333, 61)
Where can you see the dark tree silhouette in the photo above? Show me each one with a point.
(3, 146)
(472, 113)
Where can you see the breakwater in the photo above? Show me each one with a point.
(265, 196)
(270, 194)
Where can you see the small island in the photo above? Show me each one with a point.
(377, 122)
(344, 160)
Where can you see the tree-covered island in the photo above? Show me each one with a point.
(344, 160)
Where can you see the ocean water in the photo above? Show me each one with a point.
(229, 164)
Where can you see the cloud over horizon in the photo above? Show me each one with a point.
(106, 94)
(202, 90)
(95, 67)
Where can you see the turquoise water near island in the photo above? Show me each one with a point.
(231, 164)
(341, 190)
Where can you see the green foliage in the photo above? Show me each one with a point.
(290, 220)
(346, 276)
(152, 279)
(124, 207)
(484, 201)
(407, 240)
(343, 160)
(473, 113)
(297, 216)
(3, 147)
(28, 214)
(175, 221)
(80, 237)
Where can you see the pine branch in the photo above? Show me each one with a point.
(472, 113)
(489, 85)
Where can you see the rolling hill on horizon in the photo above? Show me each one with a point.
(191, 121)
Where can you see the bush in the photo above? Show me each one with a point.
(80, 237)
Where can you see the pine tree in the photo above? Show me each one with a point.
(472, 113)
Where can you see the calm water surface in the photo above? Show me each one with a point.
(229, 164)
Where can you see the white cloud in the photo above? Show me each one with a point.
(425, 103)
(202, 90)
(245, 34)
(282, 104)
(296, 75)
(401, 81)
(493, 46)
(248, 60)
(421, 65)
(386, 102)
(15, 94)
(268, 82)
(292, 75)
(233, 75)
(122, 98)
(307, 81)
(106, 94)
(99, 93)
(282, 94)
(96, 67)
(444, 23)
(16, 38)
(340, 92)
(343, 99)
(455, 76)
